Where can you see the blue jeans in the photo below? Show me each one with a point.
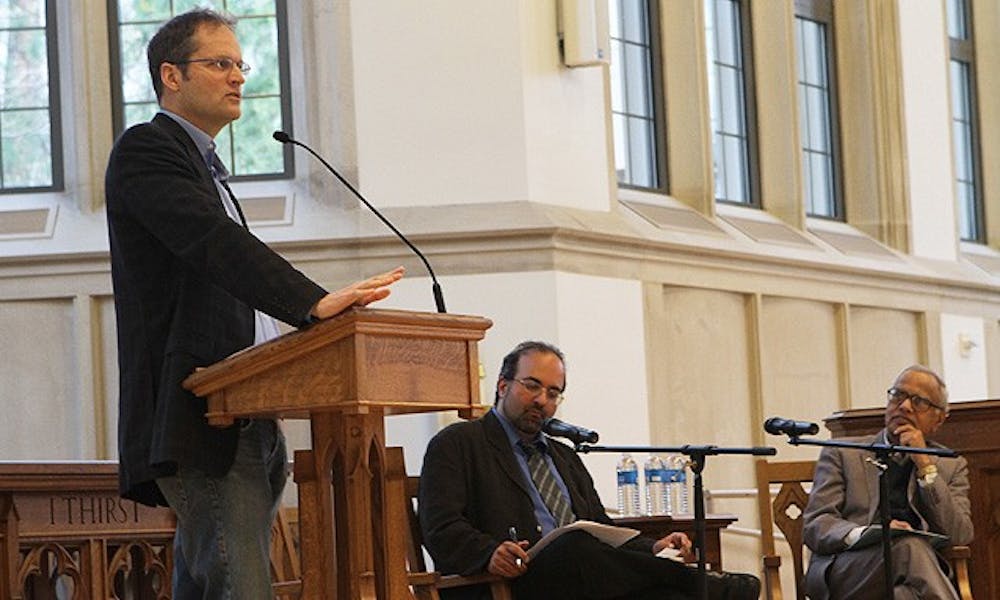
(223, 539)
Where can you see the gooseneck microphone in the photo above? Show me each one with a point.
(779, 426)
(573, 433)
(284, 138)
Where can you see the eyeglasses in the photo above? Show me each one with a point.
(919, 403)
(535, 388)
(223, 64)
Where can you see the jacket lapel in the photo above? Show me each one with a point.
(872, 481)
(872, 474)
(503, 454)
(177, 132)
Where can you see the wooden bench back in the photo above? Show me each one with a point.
(499, 588)
(785, 512)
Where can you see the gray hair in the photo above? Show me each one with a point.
(942, 388)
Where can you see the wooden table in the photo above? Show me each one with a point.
(660, 525)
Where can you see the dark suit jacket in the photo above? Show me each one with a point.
(186, 279)
(472, 491)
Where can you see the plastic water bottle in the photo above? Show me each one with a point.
(656, 486)
(677, 485)
(628, 487)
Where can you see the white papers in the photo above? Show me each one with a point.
(609, 534)
(670, 554)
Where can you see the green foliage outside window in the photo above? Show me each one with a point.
(27, 158)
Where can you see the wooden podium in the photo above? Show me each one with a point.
(345, 374)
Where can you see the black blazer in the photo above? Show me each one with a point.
(472, 491)
(186, 279)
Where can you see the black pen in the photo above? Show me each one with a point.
(513, 537)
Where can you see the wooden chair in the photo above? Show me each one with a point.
(286, 571)
(785, 512)
(499, 588)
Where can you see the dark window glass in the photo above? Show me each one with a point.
(964, 122)
(636, 96)
(729, 82)
(818, 109)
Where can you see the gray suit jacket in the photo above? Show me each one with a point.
(845, 496)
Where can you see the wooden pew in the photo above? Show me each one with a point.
(64, 530)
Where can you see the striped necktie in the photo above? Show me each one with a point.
(546, 485)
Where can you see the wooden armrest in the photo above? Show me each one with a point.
(424, 578)
(772, 577)
(772, 562)
(453, 581)
(287, 589)
(959, 557)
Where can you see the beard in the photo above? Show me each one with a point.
(529, 422)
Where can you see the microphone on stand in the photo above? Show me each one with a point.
(573, 433)
(779, 426)
(284, 138)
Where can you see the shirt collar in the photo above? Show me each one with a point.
(204, 143)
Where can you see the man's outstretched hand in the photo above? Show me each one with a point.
(359, 293)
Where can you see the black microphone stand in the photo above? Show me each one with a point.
(284, 138)
(697, 455)
(881, 461)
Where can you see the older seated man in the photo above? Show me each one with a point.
(925, 494)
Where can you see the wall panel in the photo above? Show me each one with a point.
(107, 361)
(799, 375)
(38, 386)
(699, 372)
(883, 342)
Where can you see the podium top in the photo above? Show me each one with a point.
(403, 361)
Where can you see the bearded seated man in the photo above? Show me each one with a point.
(499, 477)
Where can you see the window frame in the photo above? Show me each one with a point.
(55, 112)
(660, 149)
(749, 91)
(284, 82)
(821, 11)
(964, 51)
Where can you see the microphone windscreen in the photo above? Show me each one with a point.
(281, 136)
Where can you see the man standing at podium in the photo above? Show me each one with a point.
(487, 481)
(192, 286)
(925, 494)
